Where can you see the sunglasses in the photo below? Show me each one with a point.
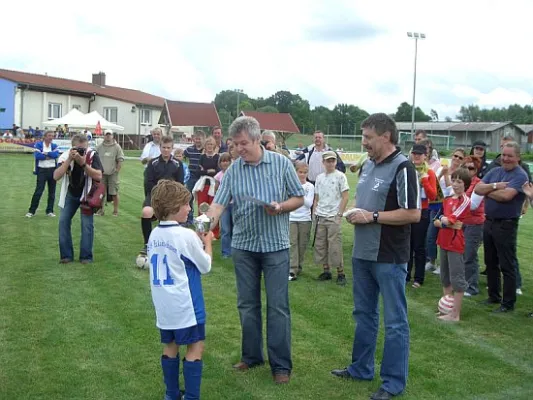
(457, 156)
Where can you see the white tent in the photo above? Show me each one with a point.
(76, 119)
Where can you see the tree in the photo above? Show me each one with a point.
(434, 115)
(225, 119)
(471, 113)
(246, 105)
(403, 114)
(448, 119)
(268, 109)
(227, 99)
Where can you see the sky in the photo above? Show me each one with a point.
(329, 52)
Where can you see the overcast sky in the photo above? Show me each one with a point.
(330, 52)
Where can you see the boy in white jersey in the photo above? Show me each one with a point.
(331, 197)
(177, 260)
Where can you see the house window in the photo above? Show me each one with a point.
(110, 113)
(54, 110)
(77, 107)
(146, 117)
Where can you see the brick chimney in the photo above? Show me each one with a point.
(99, 79)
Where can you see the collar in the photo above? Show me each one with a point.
(168, 224)
(390, 157)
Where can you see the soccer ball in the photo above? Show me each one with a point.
(446, 304)
(142, 261)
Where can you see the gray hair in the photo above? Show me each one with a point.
(269, 134)
(515, 146)
(248, 125)
(79, 138)
(157, 129)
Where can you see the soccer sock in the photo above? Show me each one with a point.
(192, 374)
(171, 374)
(146, 225)
(340, 271)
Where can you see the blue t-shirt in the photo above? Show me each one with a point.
(510, 209)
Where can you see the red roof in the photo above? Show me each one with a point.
(185, 113)
(281, 122)
(113, 92)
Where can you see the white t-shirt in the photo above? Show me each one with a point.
(151, 150)
(315, 165)
(47, 163)
(303, 213)
(177, 260)
(329, 188)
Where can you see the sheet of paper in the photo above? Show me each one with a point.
(257, 201)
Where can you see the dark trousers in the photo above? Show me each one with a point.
(418, 248)
(499, 242)
(44, 176)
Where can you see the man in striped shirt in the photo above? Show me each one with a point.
(264, 188)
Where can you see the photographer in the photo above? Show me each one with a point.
(269, 142)
(78, 167)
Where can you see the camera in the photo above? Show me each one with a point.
(264, 143)
(80, 150)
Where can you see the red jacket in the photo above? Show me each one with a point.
(477, 216)
(455, 209)
(429, 184)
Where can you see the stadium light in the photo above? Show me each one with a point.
(238, 91)
(416, 36)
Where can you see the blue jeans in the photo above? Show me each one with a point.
(248, 269)
(431, 246)
(190, 185)
(226, 229)
(473, 239)
(369, 280)
(66, 249)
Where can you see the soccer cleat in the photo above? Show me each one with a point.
(324, 276)
(29, 215)
(519, 291)
(437, 271)
(341, 280)
(292, 277)
(50, 215)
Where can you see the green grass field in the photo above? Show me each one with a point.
(88, 331)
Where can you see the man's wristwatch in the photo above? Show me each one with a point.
(375, 216)
(339, 214)
(495, 186)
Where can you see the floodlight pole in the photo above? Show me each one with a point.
(238, 91)
(415, 36)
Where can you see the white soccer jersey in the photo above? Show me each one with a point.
(177, 260)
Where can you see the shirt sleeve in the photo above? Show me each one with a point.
(96, 163)
(151, 179)
(490, 175)
(223, 194)
(146, 151)
(201, 259)
(294, 187)
(120, 154)
(310, 195)
(343, 183)
(430, 185)
(518, 180)
(475, 201)
(407, 187)
(462, 211)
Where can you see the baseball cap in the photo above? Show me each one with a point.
(479, 143)
(108, 132)
(419, 149)
(329, 154)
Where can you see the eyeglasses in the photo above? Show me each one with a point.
(458, 156)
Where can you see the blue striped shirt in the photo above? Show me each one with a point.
(193, 155)
(273, 179)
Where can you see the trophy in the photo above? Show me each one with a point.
(202, 223)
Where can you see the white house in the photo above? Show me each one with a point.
(29, 99)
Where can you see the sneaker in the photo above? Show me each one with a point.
(437, 271)
(100, 212)
(519, 292)
(324, 276)
(341, 280)
(466, 294)
(430, 266)
(29, 215)
(50, 215)
(292, 277)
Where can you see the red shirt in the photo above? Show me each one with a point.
(429, 184)
(455, 209)
(477, 216)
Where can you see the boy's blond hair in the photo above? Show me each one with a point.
(178, 151)
(168, 197)
(301, 165)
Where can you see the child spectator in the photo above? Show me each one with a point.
(300, 222)
(177, 260)
(178, 155)
(451, 240)
(331, 197)
(226, 219)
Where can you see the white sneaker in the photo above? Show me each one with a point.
(50, 215)
(519, 291)
(29, 215)
(430, 266)
(466, 294)
(437, 271)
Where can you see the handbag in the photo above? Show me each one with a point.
(93, 198)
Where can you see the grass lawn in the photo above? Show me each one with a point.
(88, 331)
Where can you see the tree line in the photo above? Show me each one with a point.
(345, 119)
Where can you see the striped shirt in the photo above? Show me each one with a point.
(193, 155)
(273, 179)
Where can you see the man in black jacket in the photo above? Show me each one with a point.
(162, 167)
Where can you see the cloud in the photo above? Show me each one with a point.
(343, 31)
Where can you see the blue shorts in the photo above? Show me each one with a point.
(188, 335)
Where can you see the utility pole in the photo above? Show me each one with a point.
(415, 36)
